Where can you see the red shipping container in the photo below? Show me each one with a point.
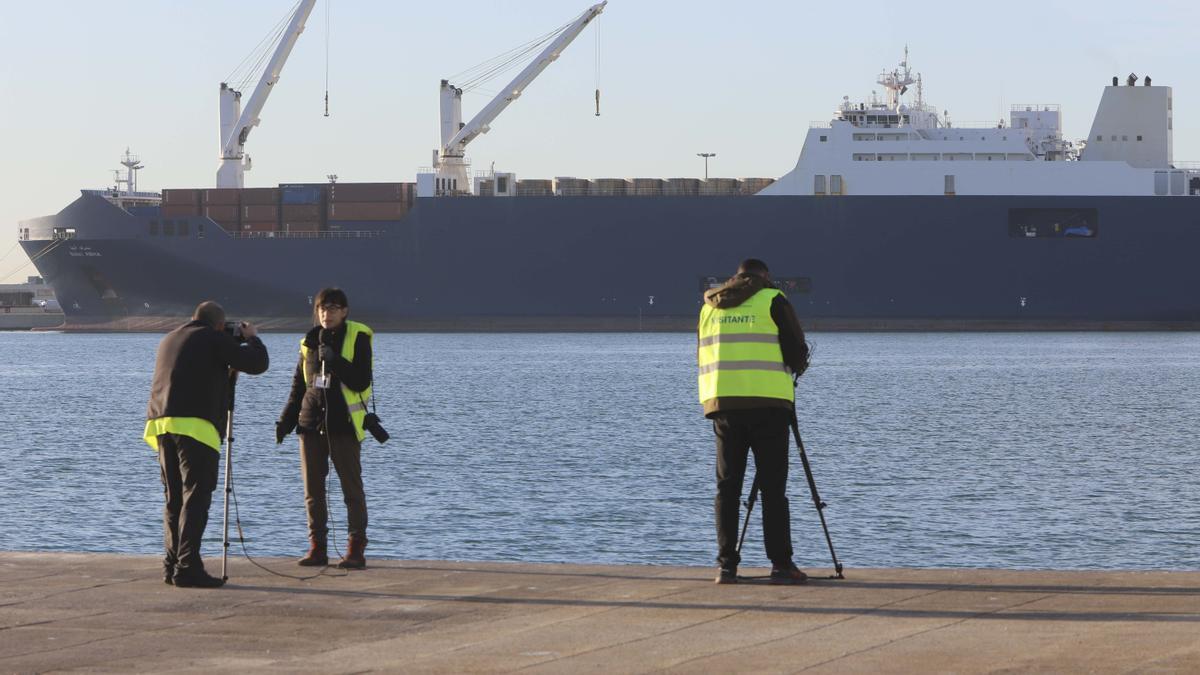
(302, 212)
(222, 196)
(220, 213)
(366, 192)
(367, 210)
(181, 197)
(259, 226)
(260, 196)
(177, 210)
(260, 212)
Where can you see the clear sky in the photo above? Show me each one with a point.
(82, 80)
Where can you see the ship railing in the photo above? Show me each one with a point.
(820, 124)
(346, 234)
(1034, 107)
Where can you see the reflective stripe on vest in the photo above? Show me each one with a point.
(356, 401)
(193, 427)
(738, 351)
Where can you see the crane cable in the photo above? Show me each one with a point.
(327, 4)
(251, 66)
(492, 68)
(597, 66)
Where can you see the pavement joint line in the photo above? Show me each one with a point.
(68, 591)
(633, 641)
(813, 629)
(931, 629)
(589, 613)
(49, 621)
(124, 634)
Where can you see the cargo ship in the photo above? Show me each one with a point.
(895, 217)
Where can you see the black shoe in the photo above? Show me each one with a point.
(185, 578)
(787, 574)
(727, 575)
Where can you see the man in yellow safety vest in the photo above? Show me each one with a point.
(750, 344)
(185, 423)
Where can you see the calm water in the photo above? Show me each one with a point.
(933, 450)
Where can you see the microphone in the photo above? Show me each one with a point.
(325, 337)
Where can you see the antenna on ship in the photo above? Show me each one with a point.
(132, 164)
(896, 82)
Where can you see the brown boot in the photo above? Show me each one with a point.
(317, 555)
(354, 559)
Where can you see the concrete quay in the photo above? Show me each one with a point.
(114, 613)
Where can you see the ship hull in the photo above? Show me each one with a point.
(628, 263)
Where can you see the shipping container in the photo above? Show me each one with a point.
(720, 186)
(181, 197)
(367, 192)
(260, 212)
(535, 187)
(679, 187)
(222, 213)
(565, 186)
(260, 196)
(609, 186)
(647, 187)
(175, 210)
(259, 226)
(301, 212)
(367, 210)
(301, 226)
(752, 186)
(302, 194)
(222, 196)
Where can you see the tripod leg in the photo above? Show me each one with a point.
(812, 488)
(225, 526)
(749, 510)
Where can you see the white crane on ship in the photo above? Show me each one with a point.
(236, 122)
(449, 162)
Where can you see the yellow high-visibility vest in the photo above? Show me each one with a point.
(356, 401)
(739, 353)
(193, 427)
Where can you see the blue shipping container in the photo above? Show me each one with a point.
(302, 194)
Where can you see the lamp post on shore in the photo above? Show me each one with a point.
(706, 155)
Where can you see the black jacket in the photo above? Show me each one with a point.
(733, 293)
(306, 404)
(191, 372)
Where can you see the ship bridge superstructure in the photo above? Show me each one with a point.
(857, 153)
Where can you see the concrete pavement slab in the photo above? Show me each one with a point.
(101, 612)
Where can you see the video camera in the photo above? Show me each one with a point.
(234, 328)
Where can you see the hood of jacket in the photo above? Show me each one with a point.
(734, 292)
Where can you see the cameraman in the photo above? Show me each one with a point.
(185, 423)
(331, 391)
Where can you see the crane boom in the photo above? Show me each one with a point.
(236, 123)
(450, 163)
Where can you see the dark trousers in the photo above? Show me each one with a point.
(189, 476)
(765, 431)
(315, 452)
